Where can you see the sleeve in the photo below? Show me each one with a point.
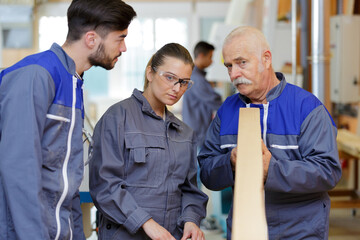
(193, 199)
(107, 188)
(319, 169)
(26, 95)
(78, 233)
(215, 162)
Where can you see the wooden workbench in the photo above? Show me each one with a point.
(348, 146)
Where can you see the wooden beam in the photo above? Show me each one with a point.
(249, 221)
(327, 55)
(17, 2)
(345, 203)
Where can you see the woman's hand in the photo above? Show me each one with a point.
(155, 231)
(191, 230)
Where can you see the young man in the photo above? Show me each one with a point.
(300, 157)
(41, 119)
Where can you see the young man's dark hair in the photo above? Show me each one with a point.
(85, 15)
(203, 47)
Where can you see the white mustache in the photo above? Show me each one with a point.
(241, 80)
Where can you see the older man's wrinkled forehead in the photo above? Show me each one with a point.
(251, 37)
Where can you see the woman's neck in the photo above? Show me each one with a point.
(158, 107)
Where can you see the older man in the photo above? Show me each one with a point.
(300, 155)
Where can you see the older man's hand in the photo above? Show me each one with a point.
(266, 155)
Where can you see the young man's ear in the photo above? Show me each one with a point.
(91, 39)
(201, 55)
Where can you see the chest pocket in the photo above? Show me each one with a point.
(53, 141)
(145, 164)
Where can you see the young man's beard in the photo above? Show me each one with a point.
(100, 58)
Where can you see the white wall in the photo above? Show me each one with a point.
(193, 12)
(53, 9)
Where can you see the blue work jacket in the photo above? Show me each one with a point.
(41, 148)
(301, 136)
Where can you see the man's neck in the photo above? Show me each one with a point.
(271, 83)
(78, 54)
(199, 65)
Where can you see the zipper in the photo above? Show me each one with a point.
(66, 161)
(266, 111)
(71, 233)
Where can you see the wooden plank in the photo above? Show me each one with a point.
(249, 221)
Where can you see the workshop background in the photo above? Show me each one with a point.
(316, 43)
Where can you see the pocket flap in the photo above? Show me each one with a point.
(139, 155)
(140, 140)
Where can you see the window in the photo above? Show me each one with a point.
(52, 29)
(145, 37)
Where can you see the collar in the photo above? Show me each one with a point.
(199, 70)
(274, 92)
(68, 62)
(277, 90)
(146, 108)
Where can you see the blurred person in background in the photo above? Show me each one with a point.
(201, 101)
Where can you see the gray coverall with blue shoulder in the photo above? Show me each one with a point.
(301, 137)
(41, 148)
(143, 167)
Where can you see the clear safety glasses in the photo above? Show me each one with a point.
(172, 80)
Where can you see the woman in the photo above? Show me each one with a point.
(143, 168)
